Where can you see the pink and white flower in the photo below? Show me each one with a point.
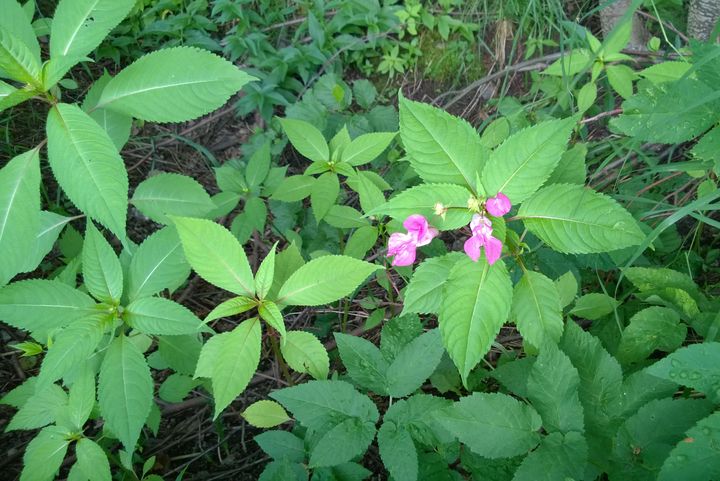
(403, 246)
(499, 205)
(481, 228)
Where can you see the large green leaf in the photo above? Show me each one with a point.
(10, 96)
(492, 425)
(397, 451)
(230, 360)
(17, 60)
(536, 309)
(51, 224)
(44, 454)
(102, 271)
(215, 254)
(475, 304)
(92, 460)
(15, 20)
(307, 139)
(367, 147)
(39, 304)
(125, 390)
(424, 292)
(441, 148)
(577, 220)
(173, 85)
(414, 364)
(118, 126)
(343, 442)
(521, 164)
(77, 29)
(695, 460)
(44, 404)
(160, 316)
(557, 457)
(324, 280)
(553, 390)
(324, 194)
(653, 328)
(19, 212)
(168, 194)
(281, 444)
(87, 166)
(305, 353)
(71, 348)
(365, 365)
(697, 366)
(426, 200)
(157, 264)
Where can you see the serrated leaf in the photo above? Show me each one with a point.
(324, 280)
(365, 364)
(424, 291)
(230, 360)
(19, 212)
(150, 87)
(77, 29)
(345, 217)
(270, 313)
(441, 148)
(157, 264)
(294, 188)
(557, 457)
(666, 71)
(42, 408)
(475, 304)
(361, 241)
(621, 79)
(117, 125)
(87, 166)
(265, 414)
(102, 272)
(307, 139)
(571, 169)
(492, 425)
(72, 347)
(215, 255)
(51, 224)
(398, 452)
(697, 366)
(594, 306)
(305, 353)
(423, 199)
(258, 166)
(231, 307)
(573, 219)
(343, 442)
(553, 390)
(176, 387)
(696, 457)
(367, 147)
(82, 398)
(414, 364)
(653, 279)
(44, 454)
(40, 304)
(159, 316)
(15, 20)
(265, 273)
(521, 164)
(282, 444)
(324, 194)
(571, 63)
(168, 194)
(536, 309)
(181, 353)
(125, 391)
(17, 60)
(92, 461)
(286, 262)
(653, 328)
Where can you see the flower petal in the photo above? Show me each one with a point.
(405, 256)
(398, 241)
(472, 247)
(417, 225)
(499, 205)
(493, 249)
(430, 234)
(481, 225)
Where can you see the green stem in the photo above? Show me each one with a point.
(272, 333)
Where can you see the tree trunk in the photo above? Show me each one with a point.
(702, 16)
(613, 13)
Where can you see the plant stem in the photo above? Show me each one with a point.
(272, 334)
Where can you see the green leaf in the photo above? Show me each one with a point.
(571, 168)
(308, 140)
(44, 405)
(17, 60)
(44, 454)
(294, 188)
(571, 63)
(653, 279)
(157, 264)
(159, 316)
(72, 347)
(265, 273)
(258, 166)
(81, 400)
(19, 212)
(424, 292)
(367, 147)
(230, 360)
(553, 390)
(282, 444)
(476, 302)
(495, 132)
(92, 461)
(397, 451)
(77, 29)
(696, 366)
(270, 313)
(10, 96)
(87, 166)
(645, 439)
(304, 353)
(638, 389)
(324, 194)
(319, 403)
(594, 306)
(345, 217)
(117, 125)
(441, 148)
(324, 280)
(125, 391)
(102, 271)
(361, 241)
(50, 226)
(665, 71)
(492, 425)
(424, 199)
(176, 387)
(653, 328)
(215, 255)
(414, 364)
(586, 96)
(521, 164)
(166, 194)
(557, 457)
(697, 459)
(370, 194)
(286, 262)
(577, 220)
(231, 307)
(265, 414)
(181, 353)
(15, 21)
(40, 304)
(342, 443)
(536, 309)
(621, 79)
(150, 87)
(365, 365)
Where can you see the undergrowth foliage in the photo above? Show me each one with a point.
(630, 399)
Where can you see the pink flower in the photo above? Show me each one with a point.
(481, 228)
(403, 246)
(499, 205)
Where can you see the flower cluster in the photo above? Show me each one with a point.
(419, 233)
